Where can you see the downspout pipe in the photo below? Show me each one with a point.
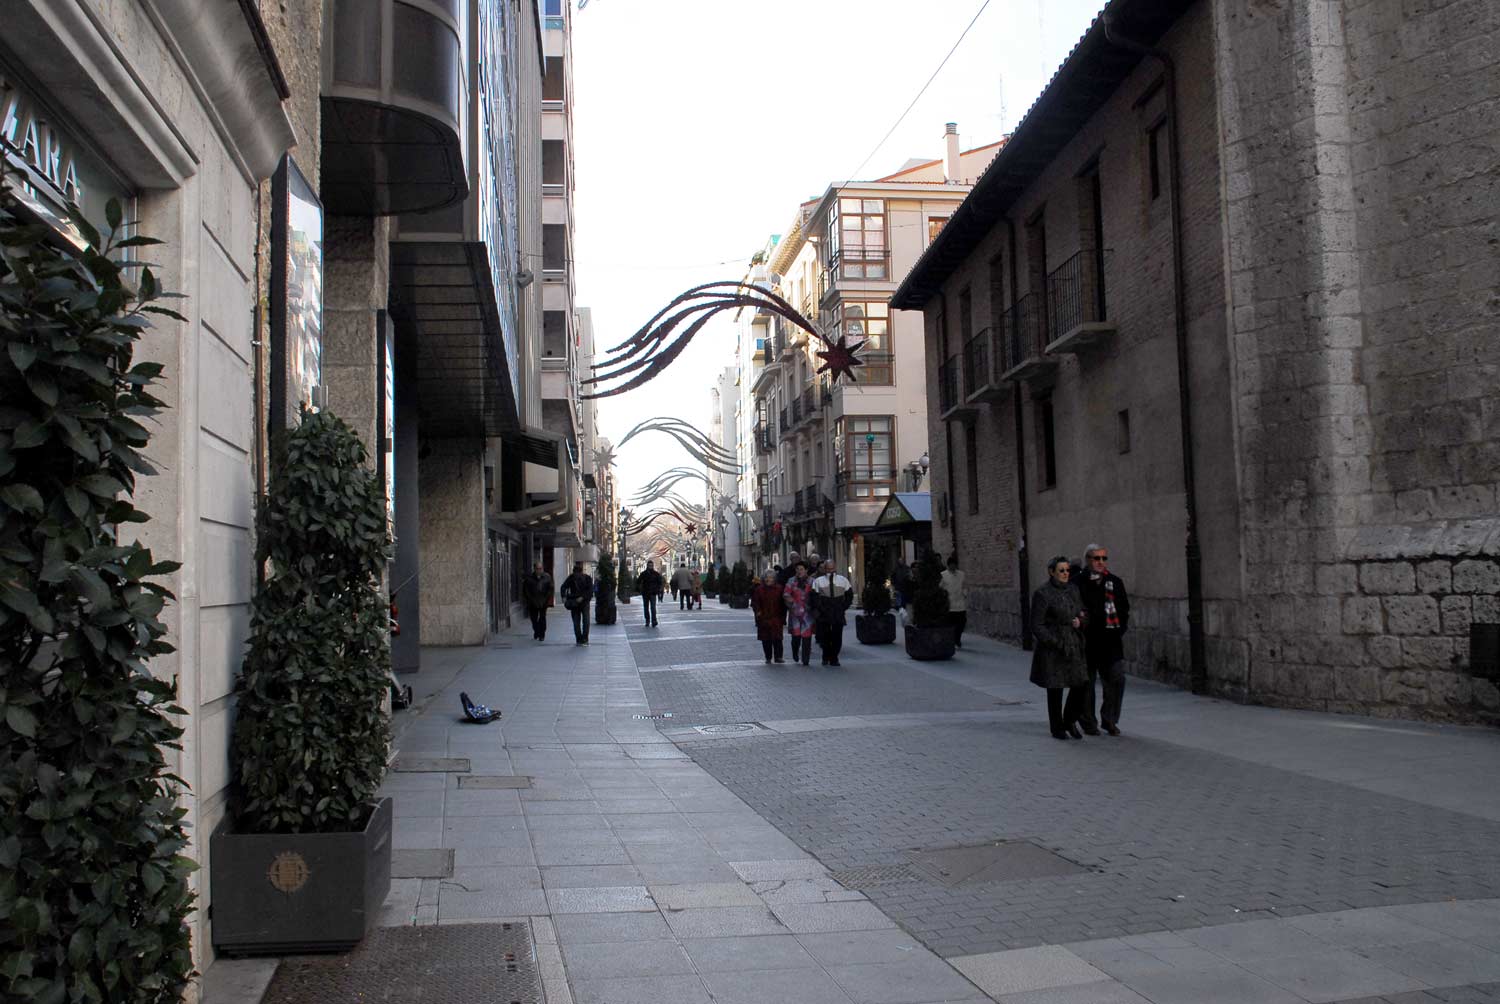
(1197, 649)
(1023, 558)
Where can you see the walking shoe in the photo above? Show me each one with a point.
(1074, 731)
(1089, 730)
(780, 662)
(1061, 735)
(833, 662)
(1113, 730)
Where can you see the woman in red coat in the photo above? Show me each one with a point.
(770, 615)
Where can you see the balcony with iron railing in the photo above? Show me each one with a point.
(763, 438)
(980, 380)
(1077, 316)
(1024, 331)
(796, 410)
(811, 402)
(951, 403)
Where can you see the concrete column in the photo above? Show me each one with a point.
(406, 566)
(357, 266)
(453, 583)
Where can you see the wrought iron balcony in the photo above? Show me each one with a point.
(1077, 318)
(1025, 340)
(951, 404)
(786, 426)
(980, 380)
(797, 410)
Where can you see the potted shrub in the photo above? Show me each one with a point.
(740, 586)
(711, 584)
(95, 884)
(929, 636)
(725, 585)
(626, 587)
(604, 598)
(876, 625)
(302, 861)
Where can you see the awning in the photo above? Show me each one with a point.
(905, 508)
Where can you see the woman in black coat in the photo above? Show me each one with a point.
(1057, 621)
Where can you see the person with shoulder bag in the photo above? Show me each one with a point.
(577, 590)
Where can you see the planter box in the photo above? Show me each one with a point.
(875, 629)
(604, 609)
(739, 602)
(284, 893)
(928, 644)
(724, 598)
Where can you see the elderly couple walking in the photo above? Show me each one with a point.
(1079, 619)
(806, 606)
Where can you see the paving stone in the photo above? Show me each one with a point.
(1331, 974)
(587, 928)
(600, 899)
(792, 868)
(702, 894)
(1228, 984)
(1083, 993)
(812, 918)
(805, 986)
(1440, 963)
(923, 978)
(456, 903)
(584, 876)
(760, 952)
(722, 921)
(617, 960)
(1024, 969)
(646, 990)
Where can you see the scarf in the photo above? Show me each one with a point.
(1111, 614)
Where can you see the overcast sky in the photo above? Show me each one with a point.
(700, 125)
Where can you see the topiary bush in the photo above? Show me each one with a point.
(606, 576)
(310, 733)
(711, 584)
(929, 604)
(94, 890)
(875, 599)
(739, 580)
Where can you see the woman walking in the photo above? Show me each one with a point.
(695, 585)
(769, 604)
(799, 613)
(1057, 621)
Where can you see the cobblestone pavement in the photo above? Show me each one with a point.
(1172, 835)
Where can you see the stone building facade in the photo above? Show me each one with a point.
(1311, 180)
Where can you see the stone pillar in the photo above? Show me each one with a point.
(453, 584)
(357, 267)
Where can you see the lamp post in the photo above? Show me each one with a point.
(917, 470)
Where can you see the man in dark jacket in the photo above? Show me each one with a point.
(536, 592)
(649, 585)
(1108, 609)
(832, 596)
(577, 592)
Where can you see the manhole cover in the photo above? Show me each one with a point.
(479, 963)
(1003, 861)
(434, 862)
(727, 730)
(429, 764)
(867, 875)
(494, 781)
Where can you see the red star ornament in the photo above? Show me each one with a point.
(692, 528)
(839, 358)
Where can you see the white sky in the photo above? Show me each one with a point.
(701, 125)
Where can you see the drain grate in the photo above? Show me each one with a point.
(430, 764)
(460, 964)
(495, 781)
(1002, 861)
(734, 729)
(865, 876)
(434, 862)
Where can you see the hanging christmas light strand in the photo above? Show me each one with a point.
(699, 447)
(654, 347)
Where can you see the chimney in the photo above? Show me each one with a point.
(950, 155)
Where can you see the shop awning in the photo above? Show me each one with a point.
(905, 508)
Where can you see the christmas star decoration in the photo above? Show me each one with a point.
(839, 358)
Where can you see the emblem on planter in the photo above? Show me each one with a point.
(289, 872)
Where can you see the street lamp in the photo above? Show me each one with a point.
(917, 470)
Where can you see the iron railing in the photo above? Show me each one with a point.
(786, 426)
(825, 391)
(977, 362)
(811, 402)
(1025, 331)
(948, 384)
(1075, 292)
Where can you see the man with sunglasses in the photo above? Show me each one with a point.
(1108, 609)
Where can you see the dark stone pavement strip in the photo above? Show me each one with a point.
(1176, 838)
(1479, 993)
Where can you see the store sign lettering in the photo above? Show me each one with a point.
(29, 136)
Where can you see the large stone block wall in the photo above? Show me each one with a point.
(1362, 249)
(454, 565)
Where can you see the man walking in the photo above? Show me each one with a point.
(536, 591)
(1108, 617)
(682, 587)
(649, 585)
(577, 590)
(832, 596)
(952, 581)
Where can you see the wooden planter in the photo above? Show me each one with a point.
(284, 893)
(739, 602)
(604, 608)
(928, 644)
(875, 629)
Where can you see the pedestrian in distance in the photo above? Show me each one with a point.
(799, 613)
(785, 574)
(1057, 662)
(952, 581)
(1108, 607)
(672, 581)
(695, 589)
(649, 585)
(536, 592)
(900, 584)
(833, 594)
(577, 589)
(769, 604)
(682, 586)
